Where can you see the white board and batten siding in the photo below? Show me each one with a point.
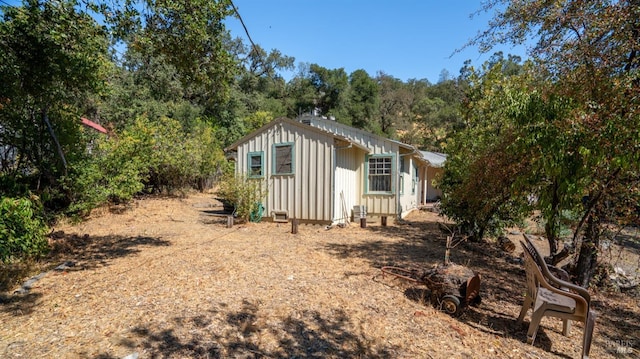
(409, 190)
(305, 194)
(376, 203)
(348, 181)
(329, 176)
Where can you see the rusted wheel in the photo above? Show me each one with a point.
(450, 304)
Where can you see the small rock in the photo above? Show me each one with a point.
(64, 266)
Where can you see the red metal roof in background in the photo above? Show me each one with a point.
(93, 125)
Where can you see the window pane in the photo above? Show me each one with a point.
(255, 165)
(284, 159)
(380, 174)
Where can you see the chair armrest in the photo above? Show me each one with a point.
(567, 285)
(555, 281)
(558, 272)
(582, 301)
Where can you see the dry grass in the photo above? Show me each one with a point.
(167, 280)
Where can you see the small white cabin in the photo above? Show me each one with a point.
(318, 170)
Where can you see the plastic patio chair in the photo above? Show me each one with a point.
(550, 296)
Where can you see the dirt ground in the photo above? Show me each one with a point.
(166, 279)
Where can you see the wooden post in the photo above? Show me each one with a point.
(229, 221)
(363, 222)
(447, 251)
(294, 226)
(383, 221)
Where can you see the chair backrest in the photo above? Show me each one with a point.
(533, 250)
(532, 271)
(542, 273)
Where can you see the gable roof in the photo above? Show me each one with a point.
(434, 159)
(316, 121)
(302, 126)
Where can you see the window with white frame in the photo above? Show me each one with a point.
(380, 170)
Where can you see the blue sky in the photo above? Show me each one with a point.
(403, 38)
(407, 39)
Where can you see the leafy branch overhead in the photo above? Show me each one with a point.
(572, 117)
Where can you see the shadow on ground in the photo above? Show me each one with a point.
(414, 243)
(19, 304)
(87, 252)
(246, 334)
(622, 335)
(422, 245)
(76, 253)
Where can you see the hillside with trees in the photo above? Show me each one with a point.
(555, 135)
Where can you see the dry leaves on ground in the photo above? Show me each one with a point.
(166, 279)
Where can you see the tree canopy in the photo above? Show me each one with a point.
(574, 120)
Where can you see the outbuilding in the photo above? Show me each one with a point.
(315, 169)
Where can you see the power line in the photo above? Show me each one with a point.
(246, 31)
(243, 25)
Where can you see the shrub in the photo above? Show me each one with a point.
(183, 159)
(22, 230)
(244, 194)
(113, 172)
(149, 156)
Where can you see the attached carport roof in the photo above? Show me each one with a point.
(435, 159)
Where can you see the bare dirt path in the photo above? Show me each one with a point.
(166, 280)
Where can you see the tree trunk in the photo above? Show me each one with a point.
(45, 118)
(552, 224)
(478, 235)
(588, 257)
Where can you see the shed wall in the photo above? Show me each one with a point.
(409, 198)
(348, 182)
(306, 194)
(433, 194)
(377, 204)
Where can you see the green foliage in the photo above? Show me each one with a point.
(54, 56)
(364, 102)
(22, 229)
(481, 193)
(589, 58)
(152, 156)
(152, 90)
(243, 193)
(257, 120)
(395, 103)
(188, 35)
(482, 184)
(331, 86)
